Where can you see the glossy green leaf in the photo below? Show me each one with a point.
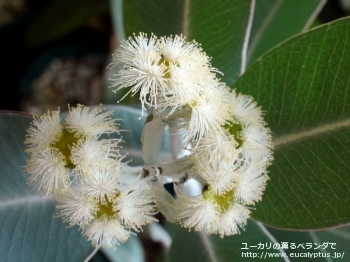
(59, 18)
(277, 20)
(198, 246)
(303, 85)
(29, 226)
(219, 26)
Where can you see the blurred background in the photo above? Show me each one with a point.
(55, 52)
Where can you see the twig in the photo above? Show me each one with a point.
(247, 36)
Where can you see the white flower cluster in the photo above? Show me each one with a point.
(229, 147)
(229, 143)
(80, 166)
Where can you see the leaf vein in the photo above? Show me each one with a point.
(292, 138)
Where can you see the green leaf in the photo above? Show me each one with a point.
(303, 85)
(198, 246)
(30, 228)
(277, 20)
(130, 251)
(340, 236)
(323, 246)
(59, 18)
(219, 26)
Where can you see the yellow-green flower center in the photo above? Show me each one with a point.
(224, 201)
(106, 208)
(193, 103)
(65, 144)
(234, 129)
(166, 64)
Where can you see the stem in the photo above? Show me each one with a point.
(175, 171)
(175, 122)
(186, 13)
(177, 143)
(152, 137)
(164, 201)
(247, 35)
(208, 246)
(117, 10)
(176, 167)
(93, 253)
(262, 28)
(272, 238)
(314, 15)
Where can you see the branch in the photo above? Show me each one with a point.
(247, 36)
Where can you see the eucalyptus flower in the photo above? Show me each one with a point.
(106, 232)
(167, 72)
(228, 149)
(106, 211)
(211, 212)
(59, 151)
(228, 143)
(218, 210)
